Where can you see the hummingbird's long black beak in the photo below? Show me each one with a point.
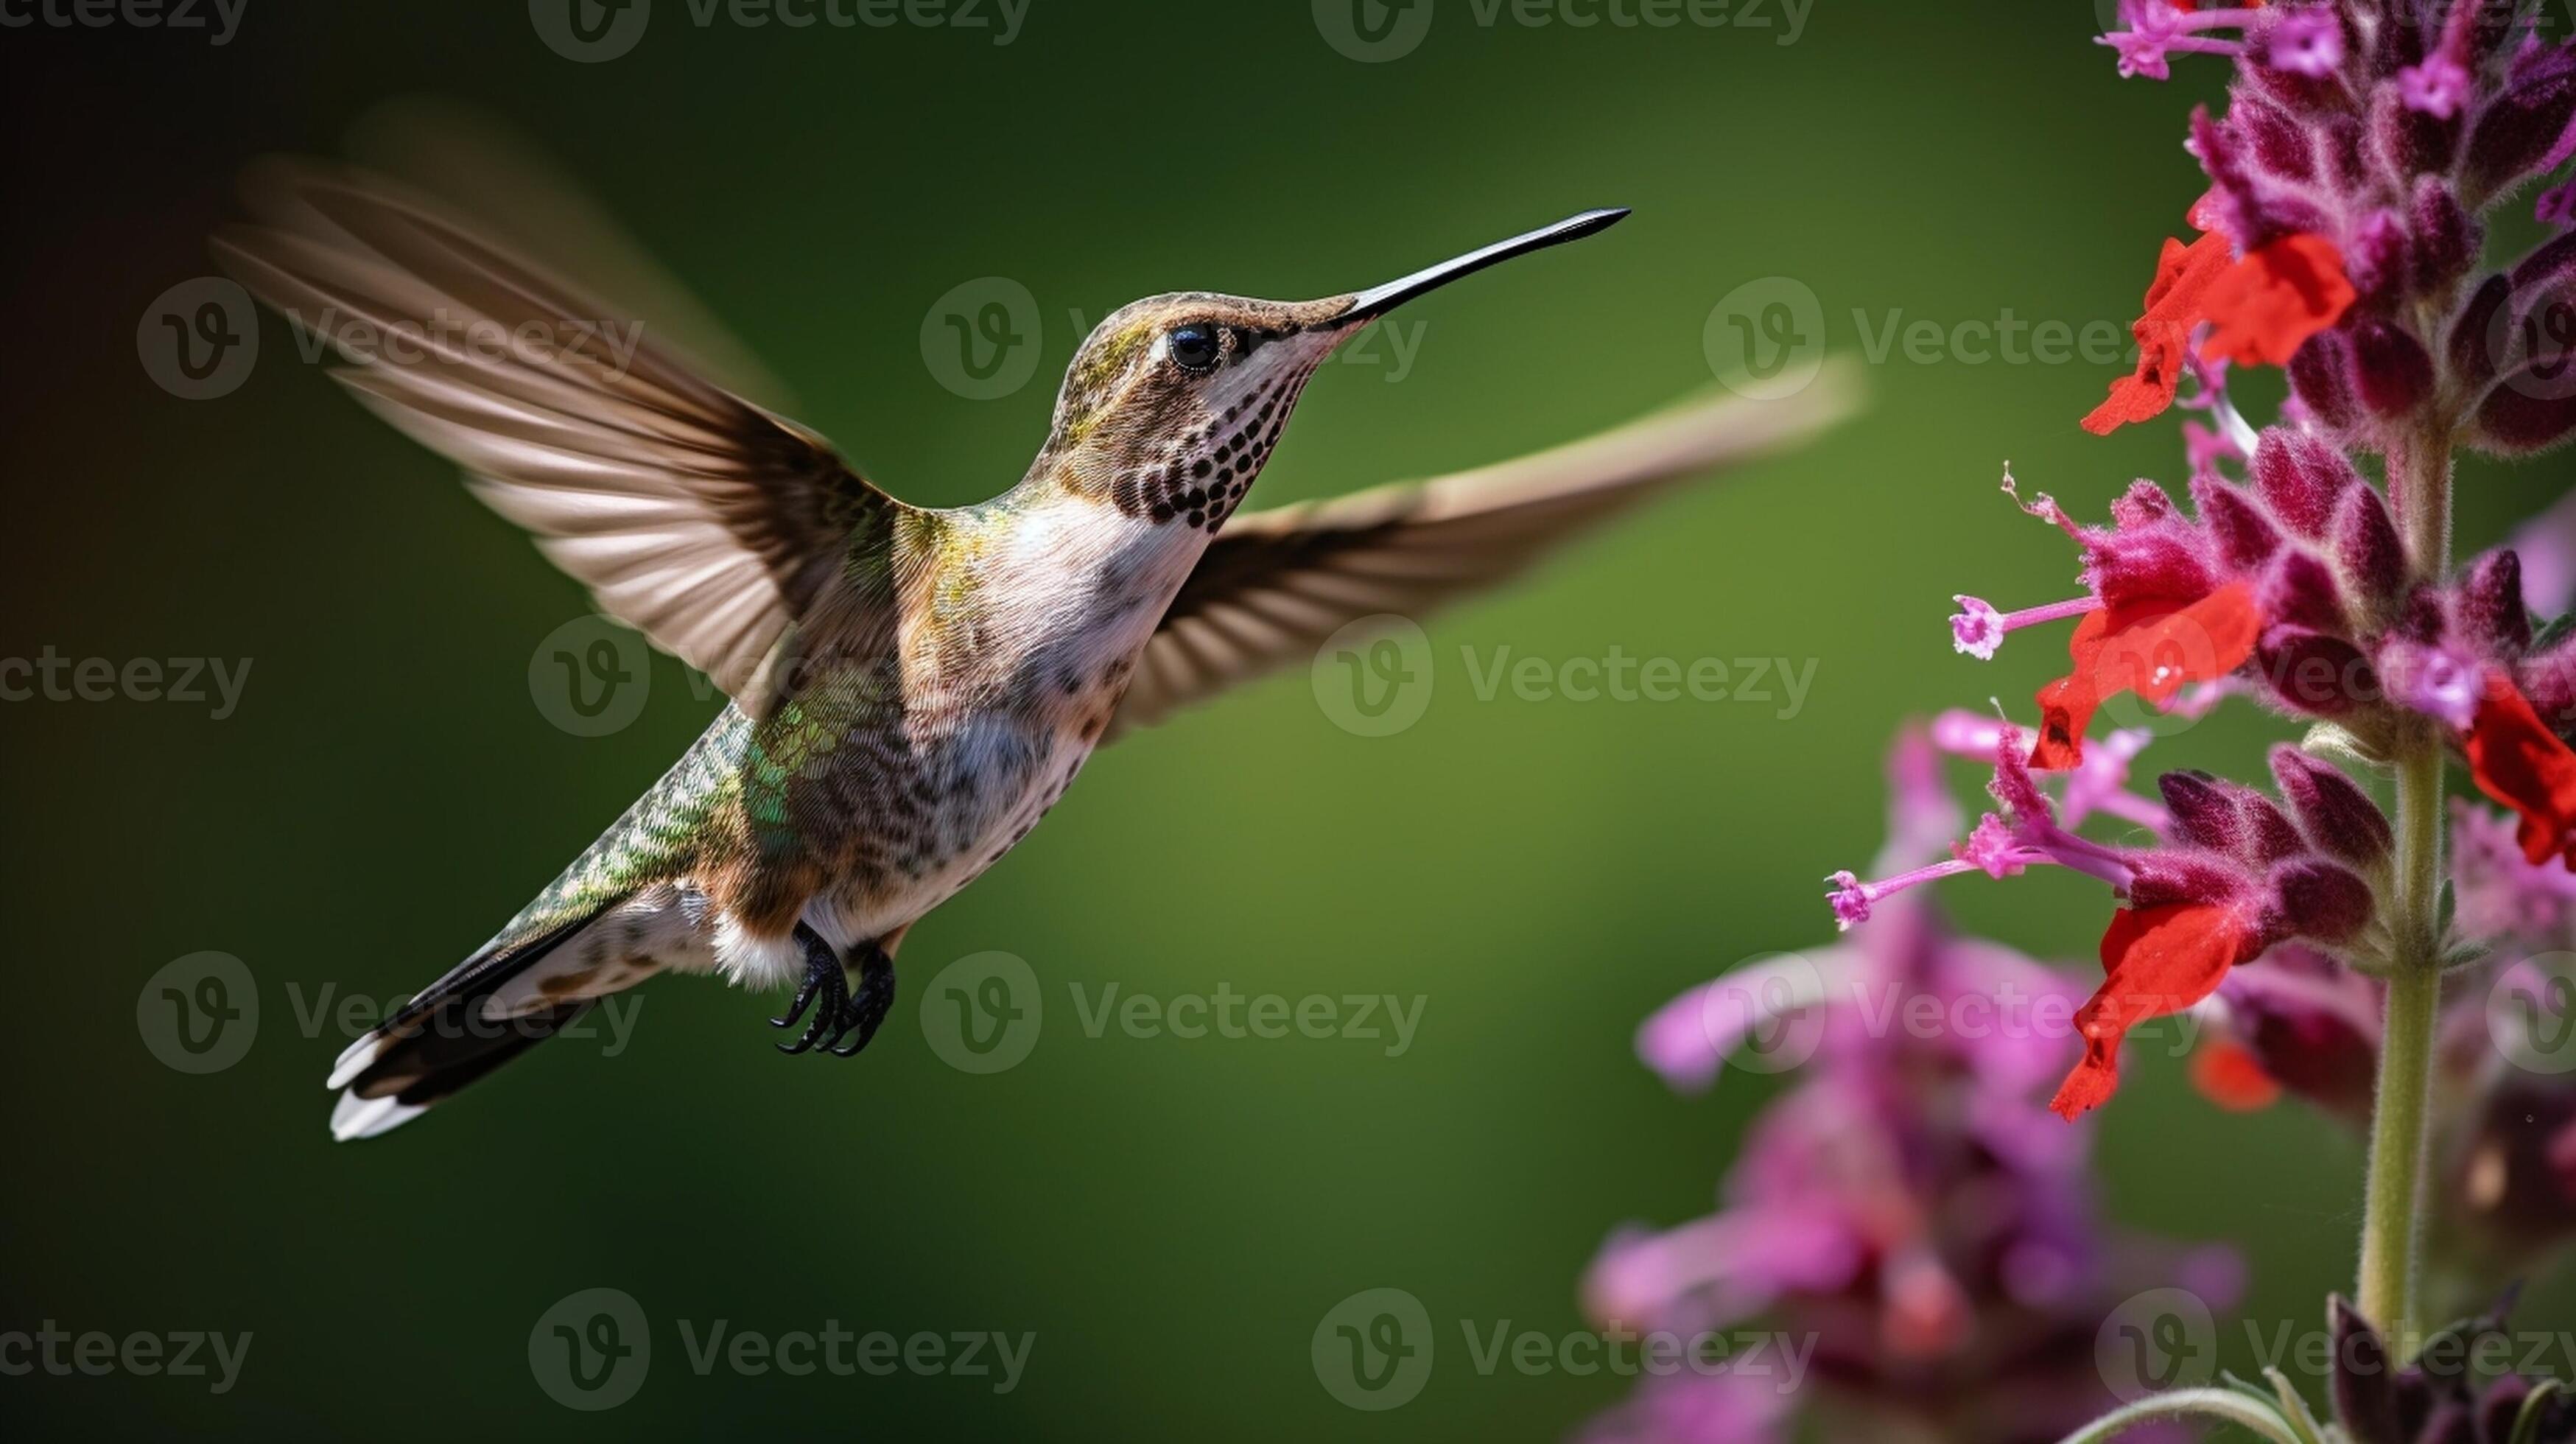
(1379, 299)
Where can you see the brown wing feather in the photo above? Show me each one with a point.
(706, 522)
(1275, 584)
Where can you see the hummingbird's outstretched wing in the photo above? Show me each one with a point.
(470, 162)
(702, 520)
(1274, 585)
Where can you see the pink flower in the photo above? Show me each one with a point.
(2307, 42)
(2152, 29)
(2437, 88)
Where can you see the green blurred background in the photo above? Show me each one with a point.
(1170, 1217)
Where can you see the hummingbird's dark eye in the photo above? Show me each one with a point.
(1195, 347)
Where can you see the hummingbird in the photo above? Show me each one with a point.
(910, 689)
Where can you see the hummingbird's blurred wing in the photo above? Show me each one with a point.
(1274, 585)
(700, 519)
(472, 163)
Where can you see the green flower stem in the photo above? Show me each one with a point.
(2224, 1404)
(2393, 1197)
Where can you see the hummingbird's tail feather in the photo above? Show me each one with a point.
(528, 985)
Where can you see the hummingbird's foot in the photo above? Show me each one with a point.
(825, 982)
(866, 1007)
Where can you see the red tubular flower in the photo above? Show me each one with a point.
(2518, 761)
(2264, 307)
(2228, 1074)
(2156, 960)
(2175, 304)
(2148, 647)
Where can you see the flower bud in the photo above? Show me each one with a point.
(2320, 900)
(2276, 143)
(2364, 1383)
(2447, 238)
(2335, 814)
(2299, 590)
(2300, 477)
(2547, 268)
(2377, 261)
(2321, 375)
(2228, 817)
(2316, 674)
(2520, 418)
(2367, 549)
(2406, 143)
(2472, 345)
(2390, 368)
(2517, 130)
(2491, 609)
(2246, 538)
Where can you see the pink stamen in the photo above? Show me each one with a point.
(1977, 629)
(1852, 899)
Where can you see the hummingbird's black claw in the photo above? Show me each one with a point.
(823, 977)
(796, 1009)
(868, 1005)
(839, 1012)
